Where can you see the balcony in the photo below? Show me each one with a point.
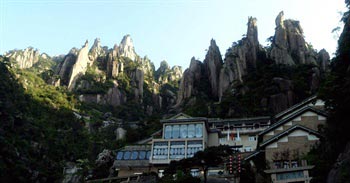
(247, 130)
(288, 166)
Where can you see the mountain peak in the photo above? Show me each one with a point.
(126, 48)
(96, 49)
(252, 31)
(97, 43)
(279, 19)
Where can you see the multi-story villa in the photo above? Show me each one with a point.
(240, 133)
(182, 136)
(284, 144)
(281, 144)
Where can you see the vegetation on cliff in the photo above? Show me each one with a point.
(336, 93)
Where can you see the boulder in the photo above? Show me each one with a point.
(104, 157)
(120, 133)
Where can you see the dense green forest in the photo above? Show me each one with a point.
(40, 134)
(336, 93)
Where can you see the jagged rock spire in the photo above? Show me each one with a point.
(252, 31)
(213, 63)
(126, 48)
(96, 50)
(80, 65)
(240, 59)
(289, 46)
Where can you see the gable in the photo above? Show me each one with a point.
(295, 118)
(286, 113)
(181, 116)
(295, 131)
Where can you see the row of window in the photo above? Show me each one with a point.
(235, 138)
(256, 125)
(177, 150)
(133, 155)
(290, 175)
(286, 164)
(183, 131)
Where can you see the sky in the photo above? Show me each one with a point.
(171, 30)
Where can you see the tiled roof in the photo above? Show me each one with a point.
(291, 129)
(240, 120)
(291, 117)
(296, 106)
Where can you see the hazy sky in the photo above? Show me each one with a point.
(172, 30)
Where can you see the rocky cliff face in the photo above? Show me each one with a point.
(114, 65)
(80, 66)
(189, 82)
(147, 68)
(96, 50)
(24, 58)
(113, 97)
(164, 74)
(126, 48)
(213, 64)
(323, 60)
(240, 59)
(338, 172)
(136, 82)
(288, 44)
(247, 57)
(65, 67)
(122, 66)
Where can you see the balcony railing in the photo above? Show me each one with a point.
(244, 130)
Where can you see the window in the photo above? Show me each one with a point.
(290, 175)
(167, 133)
(193, 147)
(160, 150)
(148, 155)
(252, 138)
(199, 130)
(134, 155)
(142, 154)
(278, 164)
(177, 150)
(176, 131)
(127, 155)
(119, 155)
(294, 164)
(191, 131)
(195, 172)
(183, 131)
(247, 149)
